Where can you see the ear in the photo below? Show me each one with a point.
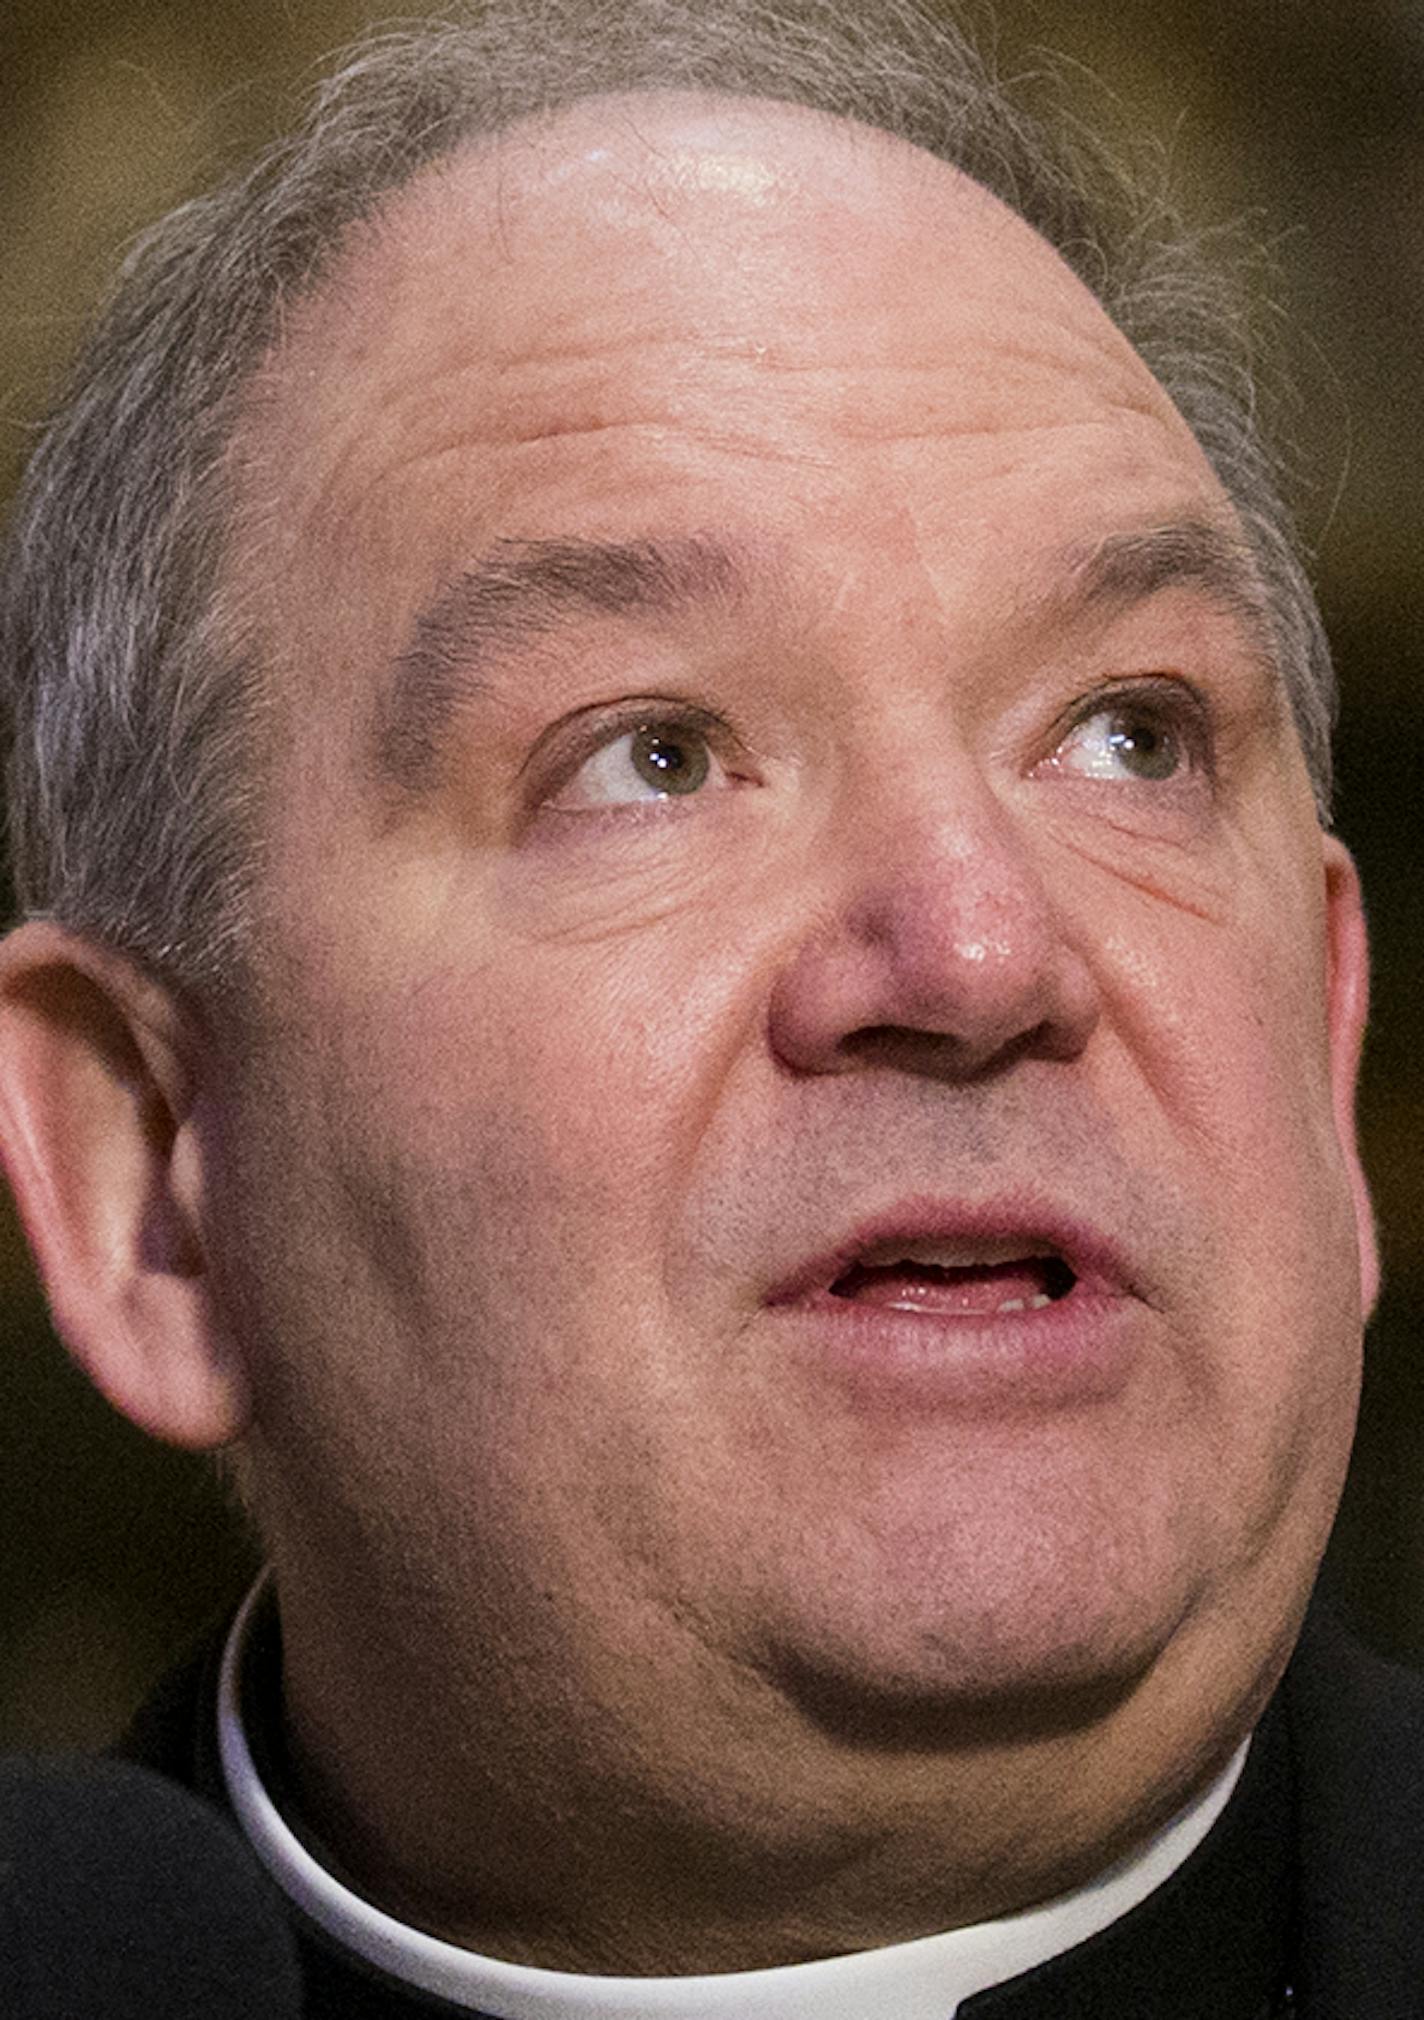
(1347, 1001)
(99, 1143)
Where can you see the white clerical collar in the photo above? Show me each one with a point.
(923, 1980)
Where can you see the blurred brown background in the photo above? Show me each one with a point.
(1307, 119)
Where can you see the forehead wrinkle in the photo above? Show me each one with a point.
(518, 591)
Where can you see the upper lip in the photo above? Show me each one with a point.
(978, 1233)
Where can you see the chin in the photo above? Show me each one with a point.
(1000, 1629)
(1014, 1635)
(1022, 1683)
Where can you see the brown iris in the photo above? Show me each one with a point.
(671, 761)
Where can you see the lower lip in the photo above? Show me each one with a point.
(1081, 1349)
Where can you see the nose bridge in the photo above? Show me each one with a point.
(952, 886)
(937, 937)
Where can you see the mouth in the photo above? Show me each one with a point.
(948, 1262)
(1010, 1308)
(955, 1285)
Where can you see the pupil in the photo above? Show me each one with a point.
(1144, 749)
(672, 764)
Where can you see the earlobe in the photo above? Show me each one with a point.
(99, 1144)
(1347, 989)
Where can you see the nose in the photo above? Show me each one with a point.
(937, 950)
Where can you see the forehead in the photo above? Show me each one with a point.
(649, 310)
(732, 223)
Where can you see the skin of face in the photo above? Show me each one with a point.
(646, 1606)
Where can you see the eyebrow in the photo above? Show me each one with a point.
(521, 591)
(1130, 567)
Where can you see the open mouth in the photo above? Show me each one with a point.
(1023, 1283)
(1015, 1309)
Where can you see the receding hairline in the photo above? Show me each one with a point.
(521, 578)
(532, 142)
(715, 123)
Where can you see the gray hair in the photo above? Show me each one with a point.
(135, 679)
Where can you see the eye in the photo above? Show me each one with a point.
(653, 760)
(1152, 739)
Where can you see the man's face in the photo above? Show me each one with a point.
(793, 1133)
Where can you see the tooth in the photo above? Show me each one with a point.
(1037, 1304)
(1016, 1305)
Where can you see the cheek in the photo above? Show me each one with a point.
(1224, 1023)
(499, 1124)
(585, 1090)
